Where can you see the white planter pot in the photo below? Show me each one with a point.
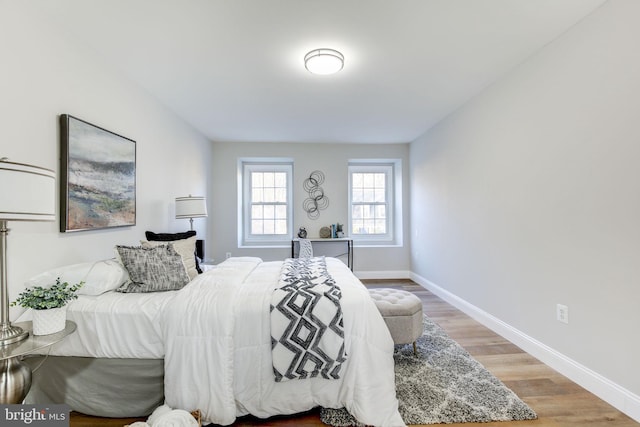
(49, 321)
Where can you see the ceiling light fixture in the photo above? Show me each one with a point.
(324, 61)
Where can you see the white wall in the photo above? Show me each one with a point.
(332, 159)
(44, 75)
(529, 196)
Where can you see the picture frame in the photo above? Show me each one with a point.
(97, 177)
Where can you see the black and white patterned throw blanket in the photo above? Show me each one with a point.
(307, 333)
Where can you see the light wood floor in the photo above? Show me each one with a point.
(557, 401)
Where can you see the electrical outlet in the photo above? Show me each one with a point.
(228, 255)
(562, 313)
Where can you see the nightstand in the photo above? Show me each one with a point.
(15, 376)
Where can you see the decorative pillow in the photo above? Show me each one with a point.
(170, 237)
(152, 269)
(183, 247)
(98, 276)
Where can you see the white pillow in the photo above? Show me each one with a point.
(185, 247)
(98, 276)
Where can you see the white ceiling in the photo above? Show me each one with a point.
(234, 68)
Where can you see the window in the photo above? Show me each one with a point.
(374, 201)
(369, 203)
(266, 195)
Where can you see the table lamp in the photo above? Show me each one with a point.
(191, 207)
(27, 193)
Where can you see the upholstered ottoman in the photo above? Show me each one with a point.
(402, 312)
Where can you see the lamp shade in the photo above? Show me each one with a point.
(191, 207)
(27, 193)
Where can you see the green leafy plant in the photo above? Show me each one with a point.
(40, 298)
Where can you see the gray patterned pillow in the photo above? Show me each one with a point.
(155, 269)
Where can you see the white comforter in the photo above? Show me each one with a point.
(218, 350)
(114, 325)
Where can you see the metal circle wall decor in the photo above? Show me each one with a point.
(317, 200)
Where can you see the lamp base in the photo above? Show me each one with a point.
(10, 334)
(16, 381)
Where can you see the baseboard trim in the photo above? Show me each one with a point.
(612, 393)
(399, 274)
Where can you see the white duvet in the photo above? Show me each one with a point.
(114, 325)
(218, 350)
(214, 336)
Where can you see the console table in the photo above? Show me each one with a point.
(15, 376)
(340, 246)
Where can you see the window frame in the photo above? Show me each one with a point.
(392, 168)
(246, 166)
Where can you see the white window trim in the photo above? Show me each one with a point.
(254, 164)
(393, 172)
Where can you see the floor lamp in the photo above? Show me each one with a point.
(27, 193)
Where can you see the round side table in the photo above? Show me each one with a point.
(15, 376)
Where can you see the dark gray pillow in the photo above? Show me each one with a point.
(154, 269)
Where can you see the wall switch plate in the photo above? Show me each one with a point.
(562, 313)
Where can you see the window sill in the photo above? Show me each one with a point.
(265, 245)
(373, 245)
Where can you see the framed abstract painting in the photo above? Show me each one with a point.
(97, 177)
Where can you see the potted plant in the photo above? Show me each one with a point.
(49, 305)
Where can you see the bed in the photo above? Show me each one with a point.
(207, 346)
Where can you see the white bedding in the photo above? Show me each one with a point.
(236, 377)
(214, 336)
(114, 325)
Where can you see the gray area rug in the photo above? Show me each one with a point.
(443, 384)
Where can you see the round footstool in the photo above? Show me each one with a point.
(402, 312)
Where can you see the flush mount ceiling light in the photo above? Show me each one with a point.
(324, 61)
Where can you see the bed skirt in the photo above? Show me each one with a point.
(117, 388)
